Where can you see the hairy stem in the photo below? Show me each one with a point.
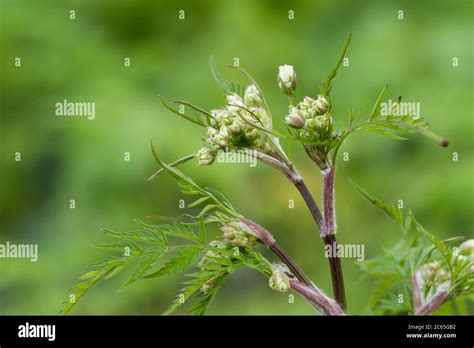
(268, 240)
(317, 298)
(329, 201)
(329, 239)
(310, 202)
(328, 233)
(301, 284)
(433, 304)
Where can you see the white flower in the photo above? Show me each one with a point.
(252, 96)
(287, 79)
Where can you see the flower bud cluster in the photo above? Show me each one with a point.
(310, 115)
(230, 126)
(432, 279)
(235, 235)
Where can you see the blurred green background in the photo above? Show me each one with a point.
(67, 158)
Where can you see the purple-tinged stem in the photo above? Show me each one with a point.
(317, 298)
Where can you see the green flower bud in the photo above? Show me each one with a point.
(252, 96)
(295, 119)
(287, 79)
(206, 156)
(279, 281)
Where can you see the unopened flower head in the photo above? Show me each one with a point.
(287, 79)
(313, 107)
(433, 274)
(321, 105)
(231, 127)
(295, 119)
(206, 156)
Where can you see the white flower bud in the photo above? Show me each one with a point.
(251, 134)
(279, 281)
(287, 79)
(261, 114)
(252, 96)
(206, 156)
(321, 105)
(236, 127)
(234, 99)
(307, 103)
(467, 247)
(221, 138)
(222, 117)
(295, 119)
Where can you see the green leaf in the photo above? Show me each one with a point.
(229, 87)
(195, 120)
(199, 201)
(184, 259)
(173, 164)
(376, 108)
(102, 271)
(403, 124)
(326, 89)
(390, 209)
(204, 299)
(189, 187)
(386, 134)
(144, 266)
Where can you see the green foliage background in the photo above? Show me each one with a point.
(82, 60)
